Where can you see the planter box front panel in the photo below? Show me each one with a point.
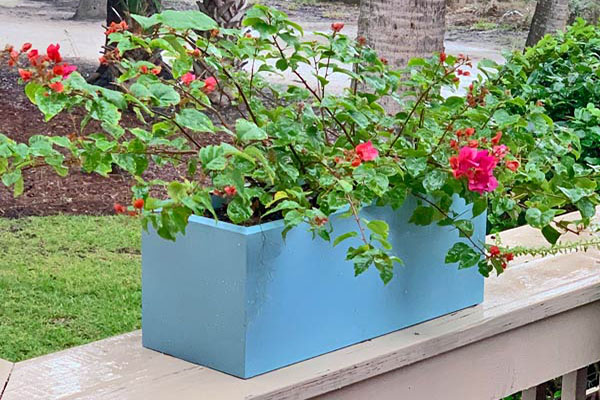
(243, 301)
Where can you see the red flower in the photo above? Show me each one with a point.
(384, 60)
(25, 47)
(477, 166)
(119, 208)
(473, 143)
(496, 139)
(443, 57)
(469, 132)
(156, 70)
(144, 69)
(210, 84)
(509, 256)
(25, 75)
(356, 162)
(33, 54)
(494, 251)
(466, 73)
(138, 203)
(366, 151)
(230, 190)
(103, 60)
(53, 52)
(58, 87)
(513, 165)
(195, 53)
(114, 27)
(459, 72)
(454, 144)
(188, 78)
(337, 26)
(361, 40)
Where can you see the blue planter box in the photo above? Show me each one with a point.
(243, 301)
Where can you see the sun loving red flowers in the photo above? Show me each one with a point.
(53, 53)
(188, 78)
(366, 151)
(210, 84)
(337, 26)
(477, 166)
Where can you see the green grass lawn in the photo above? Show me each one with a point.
(65, 281)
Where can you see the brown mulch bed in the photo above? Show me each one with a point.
(79, 193)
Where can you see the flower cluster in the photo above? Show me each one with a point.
(133, 211)
(48, 69)
(304, 152)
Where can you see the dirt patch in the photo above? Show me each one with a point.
(79, 192)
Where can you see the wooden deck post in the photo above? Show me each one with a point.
(535, 393)
(574, 384)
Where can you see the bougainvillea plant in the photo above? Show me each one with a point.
(302, 152)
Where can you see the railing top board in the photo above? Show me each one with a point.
(119, 368)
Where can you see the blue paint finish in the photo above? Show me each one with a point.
(240, 300)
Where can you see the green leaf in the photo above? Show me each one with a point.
(343, 237)
(194, 120)
(551, 234)
(434, 180)
(465, 227)
(586, 207)
(247, 131)
(422, 216)
(379, 227)
(479, 206)
(164, 95)
(239, 211)
(183, 20)
(463, 254)
(539, 219)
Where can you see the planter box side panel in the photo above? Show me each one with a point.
(304, 300)
(193, 296)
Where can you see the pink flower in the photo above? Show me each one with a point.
(366, 151)
(477, 166)
(188, 78)
(210, 84)
(64, 70)
(500, 151)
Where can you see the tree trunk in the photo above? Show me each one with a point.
(402, 29)
(550, 16)
(91, 9)
(227, 13)
(116, 11)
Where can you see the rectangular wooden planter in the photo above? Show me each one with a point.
(244, 301)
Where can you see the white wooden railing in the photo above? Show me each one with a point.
(539, 321)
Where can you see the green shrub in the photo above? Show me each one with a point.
(562, 73)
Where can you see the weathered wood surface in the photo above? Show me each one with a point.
(531, 298)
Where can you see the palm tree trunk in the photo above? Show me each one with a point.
(402, 29)
(91, 9)
(227, 13)
(550, 16)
